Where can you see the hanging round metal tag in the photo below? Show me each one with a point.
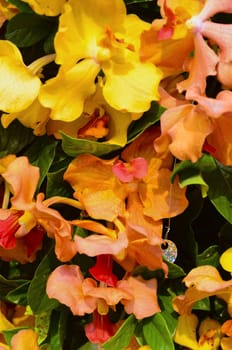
(169, 250)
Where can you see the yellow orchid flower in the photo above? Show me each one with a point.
(186, 333)
(108, 41)
(98, 120)
(47, 8)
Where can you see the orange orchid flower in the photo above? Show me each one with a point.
(202, 282)
(182, 30)
(207, 122)
(25, 222)
(135, 193)
(82, 295)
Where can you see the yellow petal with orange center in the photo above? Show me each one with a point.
(85, 22)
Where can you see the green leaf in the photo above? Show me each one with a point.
(8, 334)
(58, 324)
(56, 186)
(219, 179)
(225, 236)
(73, 146)
(209, 256)
(157, 334)
(190, 174)
(14, 139)
(123, 336)
(42, 324)
(149, 118)
(203, 304)
(41, 153)
(6, 286)
(88, 346)
(22, 6)
(169, 315)
(19, 294)
(174, 271)
(37, 297)
(23, 31)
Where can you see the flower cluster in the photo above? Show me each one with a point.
(115, 139)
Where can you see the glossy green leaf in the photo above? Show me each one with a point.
(88, 346)
(169, 315)
(209, 256)
(6, 286)
(8, 334)
(58, 324)
(41, 153)
(190, 174)
(174, 271)
(73, 146)
(14, 139)
(37, 297)
(42, 324)
(56, 186)
(22, 6)
(219, 179)
(149, 118)
(123, 336)
(157, 334)
(19, 294)
(23, 31)
(203, 304)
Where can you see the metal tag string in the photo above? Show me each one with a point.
(169, 249)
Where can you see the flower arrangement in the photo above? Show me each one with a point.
(115, 175)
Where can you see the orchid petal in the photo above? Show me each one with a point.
(34, 117)
(26, 338)
(85, 22)
(42, 7)
(203, 64)
(67, 284)
(133, 91)
(66, 93)
(96, 186)
(96, 245)
(221, 35)
(144, 302)
(18, 86)
(185, 334)
(187, 123)
(23, 179)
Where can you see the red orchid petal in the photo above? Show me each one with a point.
(100, 330)
(33, 240)
(102, 271)
(8, 227)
